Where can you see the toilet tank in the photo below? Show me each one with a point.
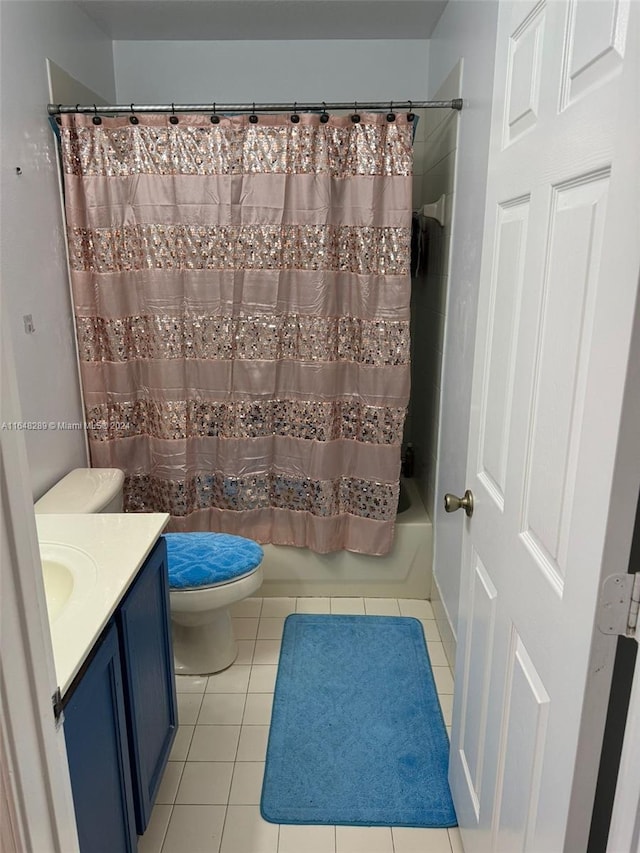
(88, 490)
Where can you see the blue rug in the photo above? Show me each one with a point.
(357, 735)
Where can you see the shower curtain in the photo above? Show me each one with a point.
(241, 295)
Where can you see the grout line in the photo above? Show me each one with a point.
(190, 741)
(224, 821)
(166, 831)
(449, 840)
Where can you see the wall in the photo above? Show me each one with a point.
(467, 32)
(33, 266)
(270, 71)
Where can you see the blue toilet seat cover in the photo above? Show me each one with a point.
(205, 559)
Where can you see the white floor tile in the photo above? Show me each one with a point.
(191, 683)
(416, 607)
(257, 711)
(363, 839)
(188, 708)
(222, 709)
(205, 783)
(246, 785)
(249, 607)
(253, 743)
(267, 652)
(278, 607)
(381, 607)
(347, 606)
(310, 839)
(235, 679)
(246, 832)
(181, 743)
(436, 654)
(263, 678)
(245, 652)
(409, 840)
(214, 743)
(443, 679)
(151, 841)
(271, 629)
(313, 605)
(245, 628)
(170, 781)
(446, 703)
(194, 829)
(431, 633)
(456, 840)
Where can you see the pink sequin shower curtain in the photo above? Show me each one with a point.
(241, 294)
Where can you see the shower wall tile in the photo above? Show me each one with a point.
(429, 291)
(416, 191)
(438, 180)
(421, 127)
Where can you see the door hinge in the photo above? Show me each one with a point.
(619, 604)
(58, 713)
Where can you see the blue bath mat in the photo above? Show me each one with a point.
(357, 735)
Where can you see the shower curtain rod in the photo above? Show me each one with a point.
(58, 109)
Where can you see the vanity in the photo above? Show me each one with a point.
(108, 602)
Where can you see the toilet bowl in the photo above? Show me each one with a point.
(203, 640)
(208, 572)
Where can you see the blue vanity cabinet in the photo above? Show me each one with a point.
(149, 685)
(120, 716)
(95, 727)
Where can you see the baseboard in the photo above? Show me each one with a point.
(443, 622)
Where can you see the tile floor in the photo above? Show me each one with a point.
(209, 797)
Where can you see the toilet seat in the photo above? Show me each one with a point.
(201, 561)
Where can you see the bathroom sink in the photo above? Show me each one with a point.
(69, 573)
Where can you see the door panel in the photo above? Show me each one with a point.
(522, 748)
(478, 654)
(505, 297)
(596, 40)
(555, 317)
(560, 359)
(523, 74)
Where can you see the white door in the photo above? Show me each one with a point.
(558, 288)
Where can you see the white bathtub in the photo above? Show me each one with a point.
(403, 573)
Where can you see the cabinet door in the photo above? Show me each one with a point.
(150, 691)
(95, 730)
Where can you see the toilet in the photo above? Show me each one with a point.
(208, 572)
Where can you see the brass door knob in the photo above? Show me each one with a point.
(453, 503)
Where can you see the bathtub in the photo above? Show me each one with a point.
(403, 573)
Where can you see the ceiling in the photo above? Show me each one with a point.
(212, 20)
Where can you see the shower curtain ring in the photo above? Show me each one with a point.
(391, 116)
(77, 108)
(295, 118)
(215, 119)
(173, 118)
(96, 118)
(324, 117)
(355, 118)
(253, 118)
(410, 115)
(132, 118)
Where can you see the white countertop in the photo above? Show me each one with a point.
(119, 544)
